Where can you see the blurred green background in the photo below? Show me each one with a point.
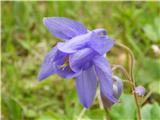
(25, 41)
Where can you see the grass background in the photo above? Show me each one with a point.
(25, 41)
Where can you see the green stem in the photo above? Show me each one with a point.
(127, 81)
(146, 97)
(131, 78)
(81, 114)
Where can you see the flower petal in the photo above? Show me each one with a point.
(106, 102)
(100, 42)
(66, 72)
(81, 59)
(117, 86)
(104, 73)
(74, 44)
(48, 66)
(101, 32)
(64, 28)
(117, 91)
(86, 85)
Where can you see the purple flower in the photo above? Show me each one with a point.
(81, 55)
(140, 90)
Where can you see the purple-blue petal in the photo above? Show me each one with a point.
(64, 28)
(104, 74)
(82, 59)
(86, 85)
(101, 32)
(66, 72)
(48, 66)
(100, 42)
(117, 86)
(74, 44)
(117, 91)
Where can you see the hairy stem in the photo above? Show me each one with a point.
(131, 78)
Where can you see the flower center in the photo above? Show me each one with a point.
(65, 64)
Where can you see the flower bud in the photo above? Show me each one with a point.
(140, 90)
(117, 91)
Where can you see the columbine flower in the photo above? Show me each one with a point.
(140, 90)
(80, 56)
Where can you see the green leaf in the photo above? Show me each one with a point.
(157, 21)
(25, 44)
(154, 86)
(46, 117)
(151, 112)
(155, 112)
(95, 114)
(146, 112)
(148, 72)
(152, 31)
(125, 110)
(11, 109)
(50, 116)
(30, 113)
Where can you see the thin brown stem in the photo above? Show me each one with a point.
(122, 69)
(127, 81)
(132, 60)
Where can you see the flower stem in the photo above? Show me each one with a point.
(131, 78)
(101, 104)
(123, 70)
(81, 114)
(146, 97)
(127, 81)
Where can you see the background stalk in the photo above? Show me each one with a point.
(131, 78)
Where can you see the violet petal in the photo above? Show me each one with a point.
(64, 28)
(86, 85)
(48, 66)
(104, 74)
